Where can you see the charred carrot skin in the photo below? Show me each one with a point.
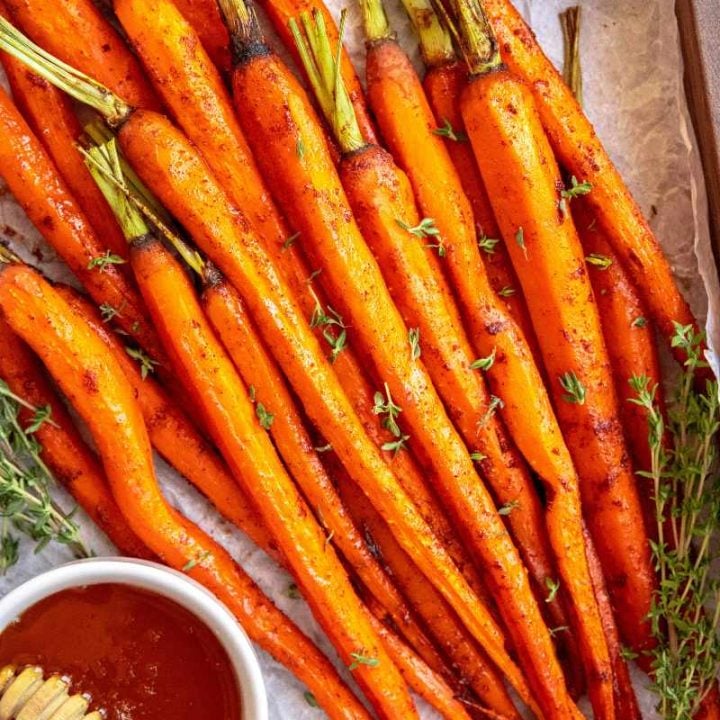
(91, 379)
(522, 180)
(204, 16)
(41, 192)
(50, 115)
(579, 150)
(63, 450)
(471, 668)
(76, 32)
(281, 12)
(226, 313)
(175, 437)
(245, 445)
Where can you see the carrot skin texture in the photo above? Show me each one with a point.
(94, 47)
(63, 450)
(175, 437)
(224, 308)
(205, 17)
(281, 12)
(443, 85)
(35, 183)
(279, 119)
(94, 383)
(578, 149)
(171, 166)
(249, 452)
(50, 115)
(523, 180)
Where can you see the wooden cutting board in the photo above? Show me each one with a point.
(699, 28)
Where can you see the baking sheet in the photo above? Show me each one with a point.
(634, 95)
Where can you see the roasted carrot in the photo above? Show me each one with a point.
(51, 118)
(175, 437)
(282, 11)
(41, 192)
(171, 167)
(523, 182)
(204, 16)
(92, 380)
(580, 151)
(381, 199)
(76, 32)
(299, 167)
(63, 450)
(471, 667)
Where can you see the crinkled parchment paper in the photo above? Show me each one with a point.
(634, 95)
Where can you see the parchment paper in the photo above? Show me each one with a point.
(634, 95)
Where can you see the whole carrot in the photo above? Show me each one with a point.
(41, 192)
(51, 117)
(278, 117)
(580, 151)
(63, 450)
(175, 437)
(522, 178)
(172, 167)
(76, 32)
(91, 379)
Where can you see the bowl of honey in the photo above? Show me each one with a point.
(122, 639)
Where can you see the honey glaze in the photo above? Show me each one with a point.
(138, 655)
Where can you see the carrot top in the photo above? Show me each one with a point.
(246, 35)
(474, 34)
(375, 21)
(436, 46)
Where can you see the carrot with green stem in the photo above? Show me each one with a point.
(76, 32)
(581, 152)
(522, 177)
(277, 116)
(381, 198)
(92, 380)
(36, 184)
(174, 170)
(62, 449)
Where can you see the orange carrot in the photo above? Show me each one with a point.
(63, 450)
(522, 178)
(204, 16)
(175, 437)
(92, 380)
(579, 150)
(50, 115)
(76, 32)
(41, 192)
(278, 117)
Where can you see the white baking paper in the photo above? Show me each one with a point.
(634, 95)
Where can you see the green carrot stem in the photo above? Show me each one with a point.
(436, 46)
(246, 35)
(72, 81)
(375, 21)
(323, 70)
(572, 70)
(476, 38)
(7, 256)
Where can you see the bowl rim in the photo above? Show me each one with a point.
(164, 581)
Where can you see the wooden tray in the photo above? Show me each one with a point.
(699, 26)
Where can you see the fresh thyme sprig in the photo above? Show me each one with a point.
(25, 501)
(685, 612)
(334, 329)
(384, 405)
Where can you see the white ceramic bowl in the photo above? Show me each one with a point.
(163, 581)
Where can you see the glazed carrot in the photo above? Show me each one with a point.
(171, 167)
(91, 379)
(51, 118)
(76, 32)
(580, 151)
(381, 199)
(471, 667)
(41, 192)
(522, 178)
(204, 16)
(175, 437)
(281, 12)
(278, 117)
(63, 450)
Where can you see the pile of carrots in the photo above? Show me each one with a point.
(365, 326)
